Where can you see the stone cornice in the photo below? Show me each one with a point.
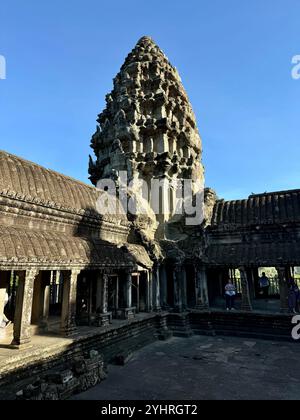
(34, 208)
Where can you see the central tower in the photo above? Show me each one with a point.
(148, 128)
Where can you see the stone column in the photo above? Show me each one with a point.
(128, 290)
(184, 288)
(284, 289)
(46, 306)
(177, 275)
(68, 316)
(252, 288)
(117, 292)
(149, 277)
(163, 286)
(104, 317)
(246, 300)
(202, 302)
(138, 293)
(41, 300)
(156, 278)
(22, 322)
(45, 302)
(128, 312)
(4, 282)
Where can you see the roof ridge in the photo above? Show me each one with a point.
(274, 192)
(265, 194)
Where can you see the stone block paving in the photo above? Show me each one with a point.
(201, 368)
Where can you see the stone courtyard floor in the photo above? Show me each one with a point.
(201, 368)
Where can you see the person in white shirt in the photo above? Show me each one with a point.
(4, 322)
(230, 293)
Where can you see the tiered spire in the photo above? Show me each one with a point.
(148, 124)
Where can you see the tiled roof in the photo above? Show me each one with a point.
(29, 179)
(39, 247)
(268, 208)
(258, 254)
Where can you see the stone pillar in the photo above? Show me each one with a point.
(104, 317)
(68, 316)
(177, 276)
(46, 306)
(284, 289)
(163, 287)
(138, 293)
(45, 302)
(128, 290)
(156, 278)
(252, 288)
(22, 322)
(149, 290)
(4, 282)
(202, 302)
(221, 289)
(184, 288)
(128, 312)
(41, 300)
(246, 300)
(117, 292)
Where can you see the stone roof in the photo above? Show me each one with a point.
(256, 254)
(27, 179)
(24, 246)
(268, 208)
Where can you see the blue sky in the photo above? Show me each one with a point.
(234, 58)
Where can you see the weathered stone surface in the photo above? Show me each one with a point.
(148, 121)
(148, 128)
(204, 368)
(84, 374)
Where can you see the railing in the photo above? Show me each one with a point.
(274, 286)
(274, 289)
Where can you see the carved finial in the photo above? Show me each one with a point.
(146, 39)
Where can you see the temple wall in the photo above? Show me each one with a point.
(110, 343)
(23, 368)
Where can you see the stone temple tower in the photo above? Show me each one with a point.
(148, 127)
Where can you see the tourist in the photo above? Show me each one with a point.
(230, 293)
(5, 322)
(264, 284)
(293, 297)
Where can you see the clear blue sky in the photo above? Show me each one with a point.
(234, 58)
